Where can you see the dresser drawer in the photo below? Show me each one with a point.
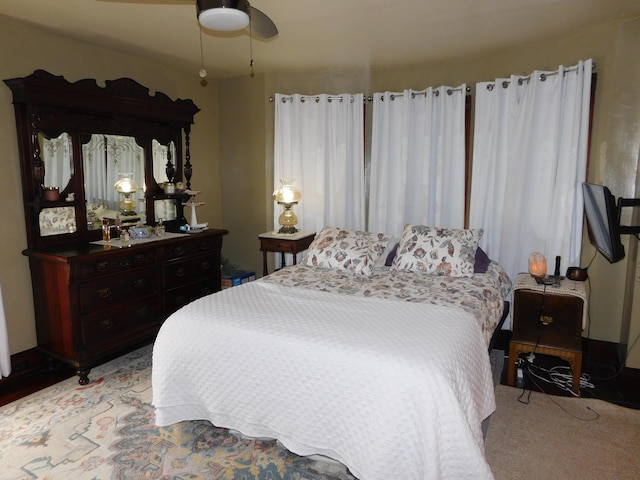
(193, 246)
(179, 297)
(108, 264)
(548, 319)
(181, 272)
(118, 321)
(106, 291)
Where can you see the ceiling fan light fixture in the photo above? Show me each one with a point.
(223, 19)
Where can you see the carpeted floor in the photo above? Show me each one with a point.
(105, 430)
(565, 438)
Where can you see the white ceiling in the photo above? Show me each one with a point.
(320, 34)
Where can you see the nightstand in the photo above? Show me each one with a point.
(548, 320)
(284, 243)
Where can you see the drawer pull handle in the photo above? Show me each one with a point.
(142, 312)
(181, 300)
(140, 283)
(106, 324)
(205, 266)
(546, 319)
(180, 272)
(103, 266)
(138, 259)
(178, 251)
(104, 292)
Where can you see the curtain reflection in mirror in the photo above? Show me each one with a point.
(105, 157)
(57, 155)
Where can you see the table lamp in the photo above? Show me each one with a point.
(126, 186)
(287, 196)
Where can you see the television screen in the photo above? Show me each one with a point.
(602, 221)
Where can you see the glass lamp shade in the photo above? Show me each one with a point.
(126, 185)
(223, 19)
(287, 193)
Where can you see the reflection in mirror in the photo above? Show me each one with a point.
(163, 162)
(104, 158)
(57, 220)
(57, 155)
(165, 210)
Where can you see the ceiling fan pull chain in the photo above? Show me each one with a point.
(250, 47)
(202, 72)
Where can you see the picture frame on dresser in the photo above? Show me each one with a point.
(95, 300)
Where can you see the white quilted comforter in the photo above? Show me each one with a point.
(394, 390)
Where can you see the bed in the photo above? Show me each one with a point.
(372, 352)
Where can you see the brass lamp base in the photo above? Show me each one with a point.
(288, 219)
(288, 230)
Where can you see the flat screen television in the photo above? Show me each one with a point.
(603, 222)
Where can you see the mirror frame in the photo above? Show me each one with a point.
(49, 104)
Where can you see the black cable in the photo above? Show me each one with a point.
(550, 397)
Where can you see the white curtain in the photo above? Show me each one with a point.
(105, 157)
(319, 142)
(529, 161)
(417, 159)
(5, 354)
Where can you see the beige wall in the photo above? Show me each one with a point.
(232, 142)
(24, 49)
(614, 151)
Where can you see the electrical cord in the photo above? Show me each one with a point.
(550, 397)
(561, 380)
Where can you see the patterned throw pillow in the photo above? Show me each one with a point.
(350, 250)
(438, 251)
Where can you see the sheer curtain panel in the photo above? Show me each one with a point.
(529, 162)
(319, 142)
(58, 160)
(417, 159)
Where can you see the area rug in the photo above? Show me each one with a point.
(105, 430)
(561, 437)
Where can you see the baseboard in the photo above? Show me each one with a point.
(27, 366)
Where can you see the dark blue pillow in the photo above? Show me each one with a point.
(392, 254)
(482, 261)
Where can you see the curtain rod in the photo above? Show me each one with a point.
(315, 98)
(542, 77)
(368, 98)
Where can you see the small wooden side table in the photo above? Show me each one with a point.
(548, 320)
(284, 243)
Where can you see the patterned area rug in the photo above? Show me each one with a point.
(105, 430)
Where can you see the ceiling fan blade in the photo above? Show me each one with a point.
(261, 24)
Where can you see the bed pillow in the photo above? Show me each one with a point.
(482, 262)
(350, 250)
(438, 251)
(386, 259)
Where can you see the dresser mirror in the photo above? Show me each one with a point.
(77, 139)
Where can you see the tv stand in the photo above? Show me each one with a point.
(628, 229)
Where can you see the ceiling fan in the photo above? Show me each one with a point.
(231, 15)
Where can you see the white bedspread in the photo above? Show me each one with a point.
(394, 390)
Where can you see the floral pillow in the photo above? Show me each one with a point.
(438, 251)
(350, 250)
